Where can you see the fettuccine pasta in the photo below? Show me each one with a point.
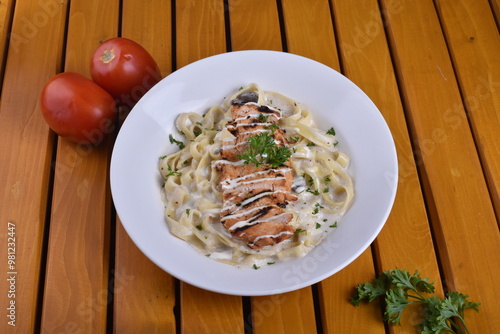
(192, 191)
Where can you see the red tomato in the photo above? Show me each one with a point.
(125, 69)
(77, 108)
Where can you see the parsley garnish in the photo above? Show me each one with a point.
(255, 266)
(331, 131)
(317, 207)
(318, 225)
(272, 127)
(401, 289)
(172, 172)
(314, 192)
(263, 150)
(263, 118)
(333, 225)
(177, 142)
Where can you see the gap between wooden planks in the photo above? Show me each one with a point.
(144, 295)
(77, 277)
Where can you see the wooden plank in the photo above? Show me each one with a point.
(200, 32)
(23, 200)
(208, 312)
(460, 208)
(337, 314)
(254, 25)
(282, 313)
(202, 23)
(290, 312)
(151, 310)
(144, 295)
(76, 290)
(474, 43)
(276, 313)
(6, 13)
(405, 242)
(303, 21)
(309, 31)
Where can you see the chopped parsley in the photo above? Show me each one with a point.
(272, 127)
(177, 142)
(314, 192)
(172, 172)
(317, 207)
(331, 131)
(263, 150)
(263, 118)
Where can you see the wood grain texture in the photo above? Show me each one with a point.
(200, 32)
(76, 289)
(474, 43)
(304, 23)
(144, 295)
(254, 25)
(337, 313)
(460, 208)
(405, 241)
(26, 149)
(290, 312)
(204, 311)
(310, 32)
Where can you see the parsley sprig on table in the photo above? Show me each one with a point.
(263, 150)
(401, 289)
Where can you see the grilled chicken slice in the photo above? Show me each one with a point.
(254, 197)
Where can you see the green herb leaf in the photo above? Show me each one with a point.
(177, 142)
(172, 172)
(263, 118)
(263, 150)
(331, 131)
(401, 289)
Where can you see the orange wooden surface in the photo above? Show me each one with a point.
(431, 67)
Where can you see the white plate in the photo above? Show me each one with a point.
(333, 100)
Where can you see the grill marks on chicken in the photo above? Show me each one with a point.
(253, 197)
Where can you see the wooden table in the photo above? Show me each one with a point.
(432, 68)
